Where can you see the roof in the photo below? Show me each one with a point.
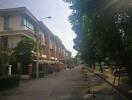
(18, 10)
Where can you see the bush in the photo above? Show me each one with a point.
(7, 82)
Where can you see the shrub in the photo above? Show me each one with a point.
(7, 82)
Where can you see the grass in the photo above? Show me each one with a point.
(124, 80)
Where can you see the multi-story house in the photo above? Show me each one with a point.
(16, 23)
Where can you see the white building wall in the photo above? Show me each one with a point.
(13, 41)
(15, 23)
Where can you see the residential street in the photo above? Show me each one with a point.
(64, 85)
(57, 86)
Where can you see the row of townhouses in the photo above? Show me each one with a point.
(16, 23)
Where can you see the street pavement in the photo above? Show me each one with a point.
(57, 86)
(65, 85)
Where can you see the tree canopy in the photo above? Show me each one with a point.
(24, 49)
(103, 29)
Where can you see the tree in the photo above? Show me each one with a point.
(103, 31)
(6, 58)
(23, 51)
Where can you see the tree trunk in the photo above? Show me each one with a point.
(90, 64)
(101, 68)
(93, 65)
(119, 77)
(129, 73)
(115, 76)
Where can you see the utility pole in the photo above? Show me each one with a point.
(37, 50)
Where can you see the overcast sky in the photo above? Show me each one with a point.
(59, 11)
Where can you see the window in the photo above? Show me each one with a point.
(24, 21)
(52, 52)
(6, 22)
(27, 23)
(3, 42)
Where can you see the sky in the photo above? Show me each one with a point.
(57, 9)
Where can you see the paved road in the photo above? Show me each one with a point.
(57, 86)
(64, 85)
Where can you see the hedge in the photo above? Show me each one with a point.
(7, 82)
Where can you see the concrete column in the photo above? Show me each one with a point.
(9, 69)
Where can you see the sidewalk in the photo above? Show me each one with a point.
(98, 89)
(109, 78)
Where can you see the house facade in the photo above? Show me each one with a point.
(16, 23)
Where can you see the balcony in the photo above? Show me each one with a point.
(44, 56)
(52, 58)
(12, 32)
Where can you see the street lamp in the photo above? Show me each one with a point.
(37, 45)
(49, 17)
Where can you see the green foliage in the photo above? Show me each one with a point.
(23, 51)
(100, 26)
(74, 60)
(6, 57)
(7, 82)
(103, 29)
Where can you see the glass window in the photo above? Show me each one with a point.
(24, 22)
(6, 23)
(3, 42)
(27, 23)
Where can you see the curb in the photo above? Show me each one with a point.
(118, 90)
